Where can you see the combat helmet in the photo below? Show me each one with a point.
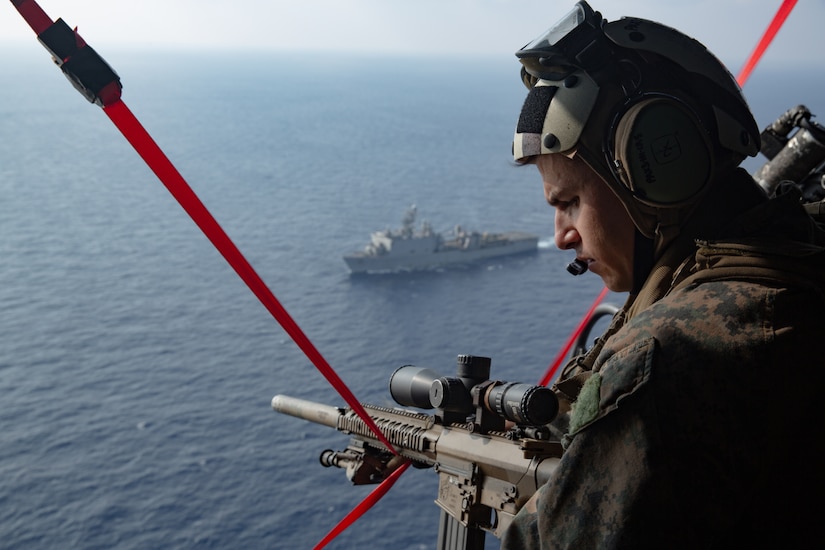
(650, 109)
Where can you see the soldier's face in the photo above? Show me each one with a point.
(590, 219)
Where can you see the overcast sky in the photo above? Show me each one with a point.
(730, 28)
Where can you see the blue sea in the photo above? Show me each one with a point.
(136, 369)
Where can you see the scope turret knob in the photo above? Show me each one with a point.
(450, 394)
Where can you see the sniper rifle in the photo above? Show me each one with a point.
(488, 441)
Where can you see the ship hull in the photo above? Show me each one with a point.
(506, 244)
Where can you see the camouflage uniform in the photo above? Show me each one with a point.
(695, 421)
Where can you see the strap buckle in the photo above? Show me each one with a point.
(85, 69)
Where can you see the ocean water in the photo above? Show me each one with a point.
(136, 369)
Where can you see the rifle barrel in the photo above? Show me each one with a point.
(319, 413)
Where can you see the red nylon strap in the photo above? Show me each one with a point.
(33, 14)
(154, 157)
(364, 505)
(554, 366)
(767, 38)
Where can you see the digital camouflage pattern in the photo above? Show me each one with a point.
(708, 428)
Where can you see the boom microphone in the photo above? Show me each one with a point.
(577, 267)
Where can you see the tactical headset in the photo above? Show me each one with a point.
(647, 107)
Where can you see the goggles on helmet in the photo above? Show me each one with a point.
(577, 41)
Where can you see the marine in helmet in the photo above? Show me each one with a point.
(694, 420)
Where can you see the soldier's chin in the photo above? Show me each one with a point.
(614, 281)
(606, 275)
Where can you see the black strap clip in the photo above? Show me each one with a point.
(84, 68)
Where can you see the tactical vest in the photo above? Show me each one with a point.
(755, 258)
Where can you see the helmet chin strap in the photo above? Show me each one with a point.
(643, 251)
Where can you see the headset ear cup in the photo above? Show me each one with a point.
(663, 151)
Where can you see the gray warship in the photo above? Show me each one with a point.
(405, 249)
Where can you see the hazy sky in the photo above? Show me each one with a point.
(730, 28)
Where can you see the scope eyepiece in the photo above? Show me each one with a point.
(523, 404)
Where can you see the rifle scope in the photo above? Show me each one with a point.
(524, 404)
